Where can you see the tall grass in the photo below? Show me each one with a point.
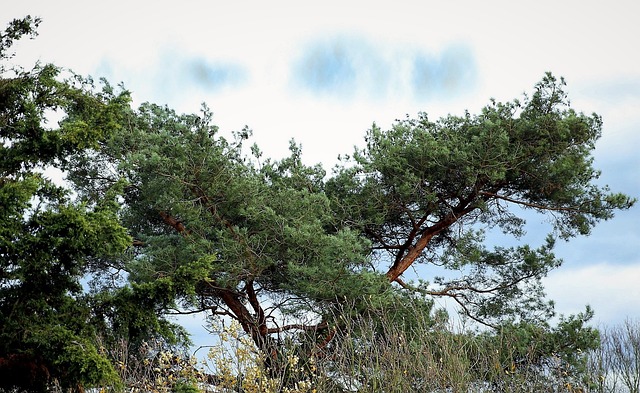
(381, 355)
(378, 353)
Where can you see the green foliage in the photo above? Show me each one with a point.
(552, 354)
(423, 192)
(217, 231)
(46, 240)
(16, 29)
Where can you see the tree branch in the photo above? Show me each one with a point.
(469, 314)
(452, 291)
(298, 326)
(529, 204)
(402, 264)
(174, 223)
(255, 304)
(189, 312)
(446, 292)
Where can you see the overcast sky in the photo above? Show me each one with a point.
(323, 72)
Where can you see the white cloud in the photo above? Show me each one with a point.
(611, 290)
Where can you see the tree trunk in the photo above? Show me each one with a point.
(254, 325)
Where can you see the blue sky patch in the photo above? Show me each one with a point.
(344, 66)
(214, 75)
(328, 67)
(448, 74)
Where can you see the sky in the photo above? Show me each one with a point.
(323, 72)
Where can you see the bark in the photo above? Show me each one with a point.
(402, 264)
(174, 223)
(414, 252)
(254, 325)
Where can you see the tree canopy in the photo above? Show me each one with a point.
(215, 233)
(221, 231)
(423, 191)
(170, 217)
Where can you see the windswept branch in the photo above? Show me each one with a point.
(456, 292)
(453, 288)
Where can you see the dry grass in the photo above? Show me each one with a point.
(375, 355)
